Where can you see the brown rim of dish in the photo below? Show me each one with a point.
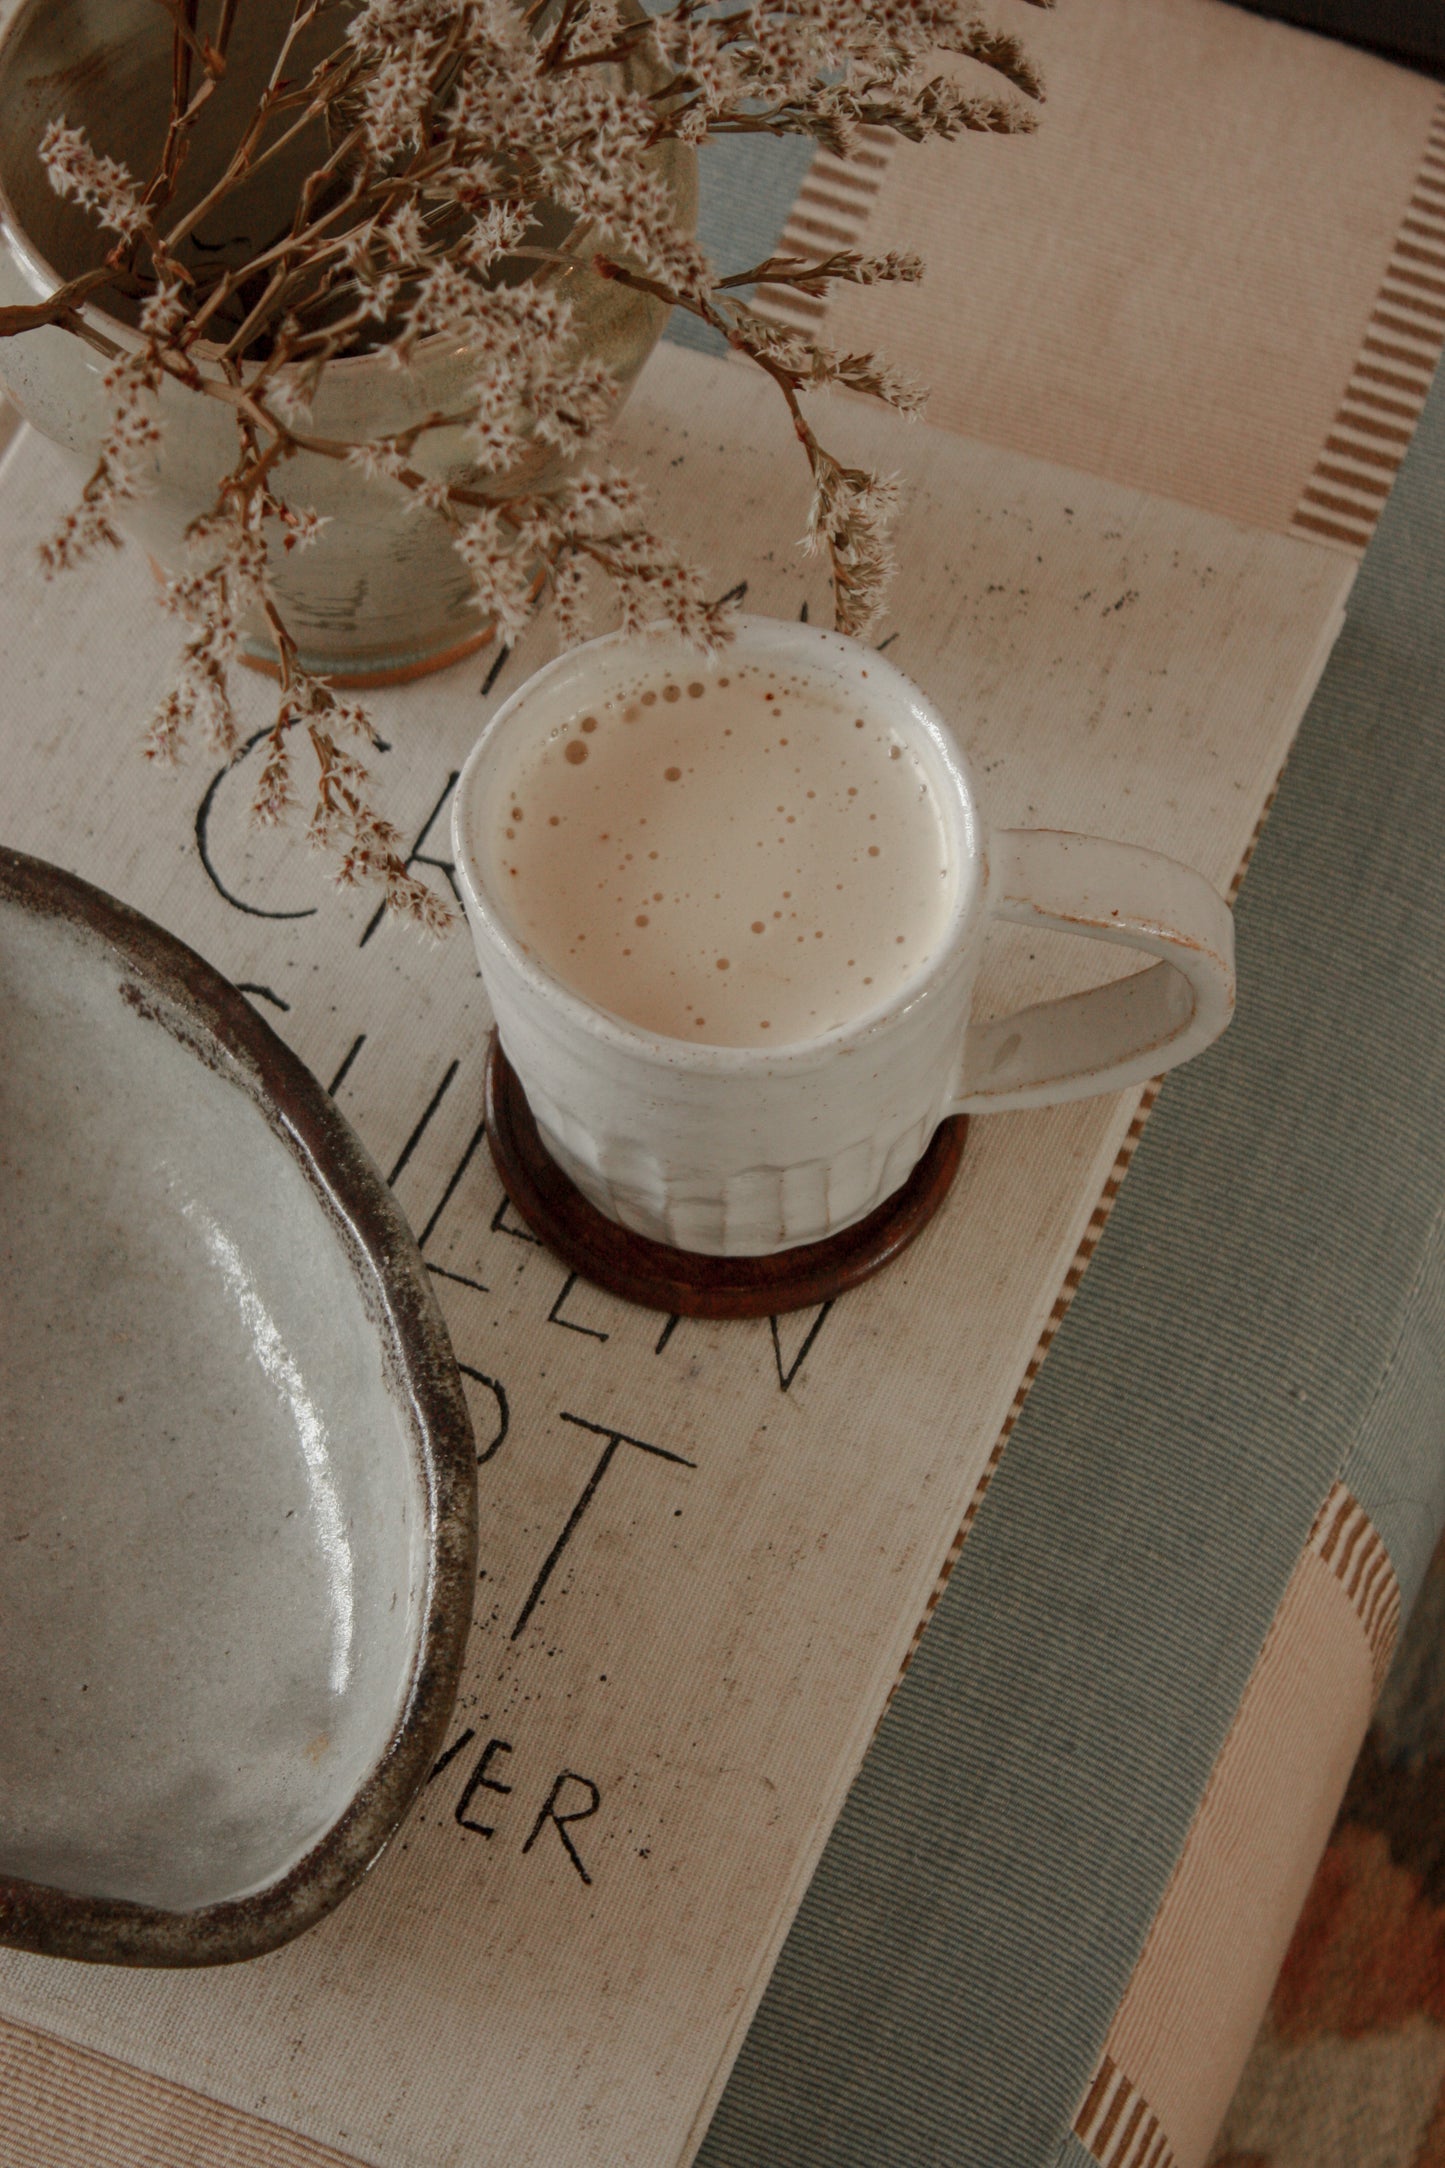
(179, 990)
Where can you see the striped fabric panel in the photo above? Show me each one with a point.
(1346, 1539)
(1118, 2126)
(1361, 455)
(1253, 844)
(66, 2104)
(1184, 2024)
(830, 212)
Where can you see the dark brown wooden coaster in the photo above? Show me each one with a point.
(679, 1281)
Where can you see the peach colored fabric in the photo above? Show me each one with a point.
(1194, 2004)
(1361, 455)
(64, 2105)
(1171, 281)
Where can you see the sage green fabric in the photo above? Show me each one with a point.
(746, 187)
(1266, 1312)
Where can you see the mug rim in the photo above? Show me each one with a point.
(755, 634)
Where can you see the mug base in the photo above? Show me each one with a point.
(680, 1282)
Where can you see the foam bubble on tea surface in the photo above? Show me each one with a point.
(732, 855)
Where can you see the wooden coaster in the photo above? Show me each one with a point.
(679, 1281)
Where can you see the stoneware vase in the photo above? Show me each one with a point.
(382, 595)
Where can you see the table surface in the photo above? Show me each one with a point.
(1085, 1667)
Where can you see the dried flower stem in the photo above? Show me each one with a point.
(454, 130)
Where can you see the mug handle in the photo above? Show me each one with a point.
(1114, 1035)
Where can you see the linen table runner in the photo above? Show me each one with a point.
(704, 1547)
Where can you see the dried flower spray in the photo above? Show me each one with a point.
(456, 132)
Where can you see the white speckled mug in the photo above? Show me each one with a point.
(745, 1150)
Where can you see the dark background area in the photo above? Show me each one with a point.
(1412, 30)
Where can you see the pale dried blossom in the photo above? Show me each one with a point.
(495, 440)
(200, 694)
(459, 129)
(500, 229)
(124, 469)
(898, 266)
(164, 314)
(81, 531)
(303, 529)
(346, 826)
(852, 517)
(214, 600)
(289, 394)
(101, 185)
(428, 493)
(397, 96)
(813, 364)
(569, 597)
(571, 402)
(377, 458)
(504, 584)
(608, 497)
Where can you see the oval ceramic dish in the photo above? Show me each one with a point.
(237, 1478)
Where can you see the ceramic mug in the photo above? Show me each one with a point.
(737, 1151)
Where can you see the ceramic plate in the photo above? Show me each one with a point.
(237, 1480)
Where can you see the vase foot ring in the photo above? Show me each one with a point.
(378, 674)
(366, 677)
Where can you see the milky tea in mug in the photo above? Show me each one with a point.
(729, 914)
(733, 853)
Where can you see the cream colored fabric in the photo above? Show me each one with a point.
(708, 1656)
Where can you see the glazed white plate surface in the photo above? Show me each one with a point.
(215, 1542)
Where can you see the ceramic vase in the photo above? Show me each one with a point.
(383, 594)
